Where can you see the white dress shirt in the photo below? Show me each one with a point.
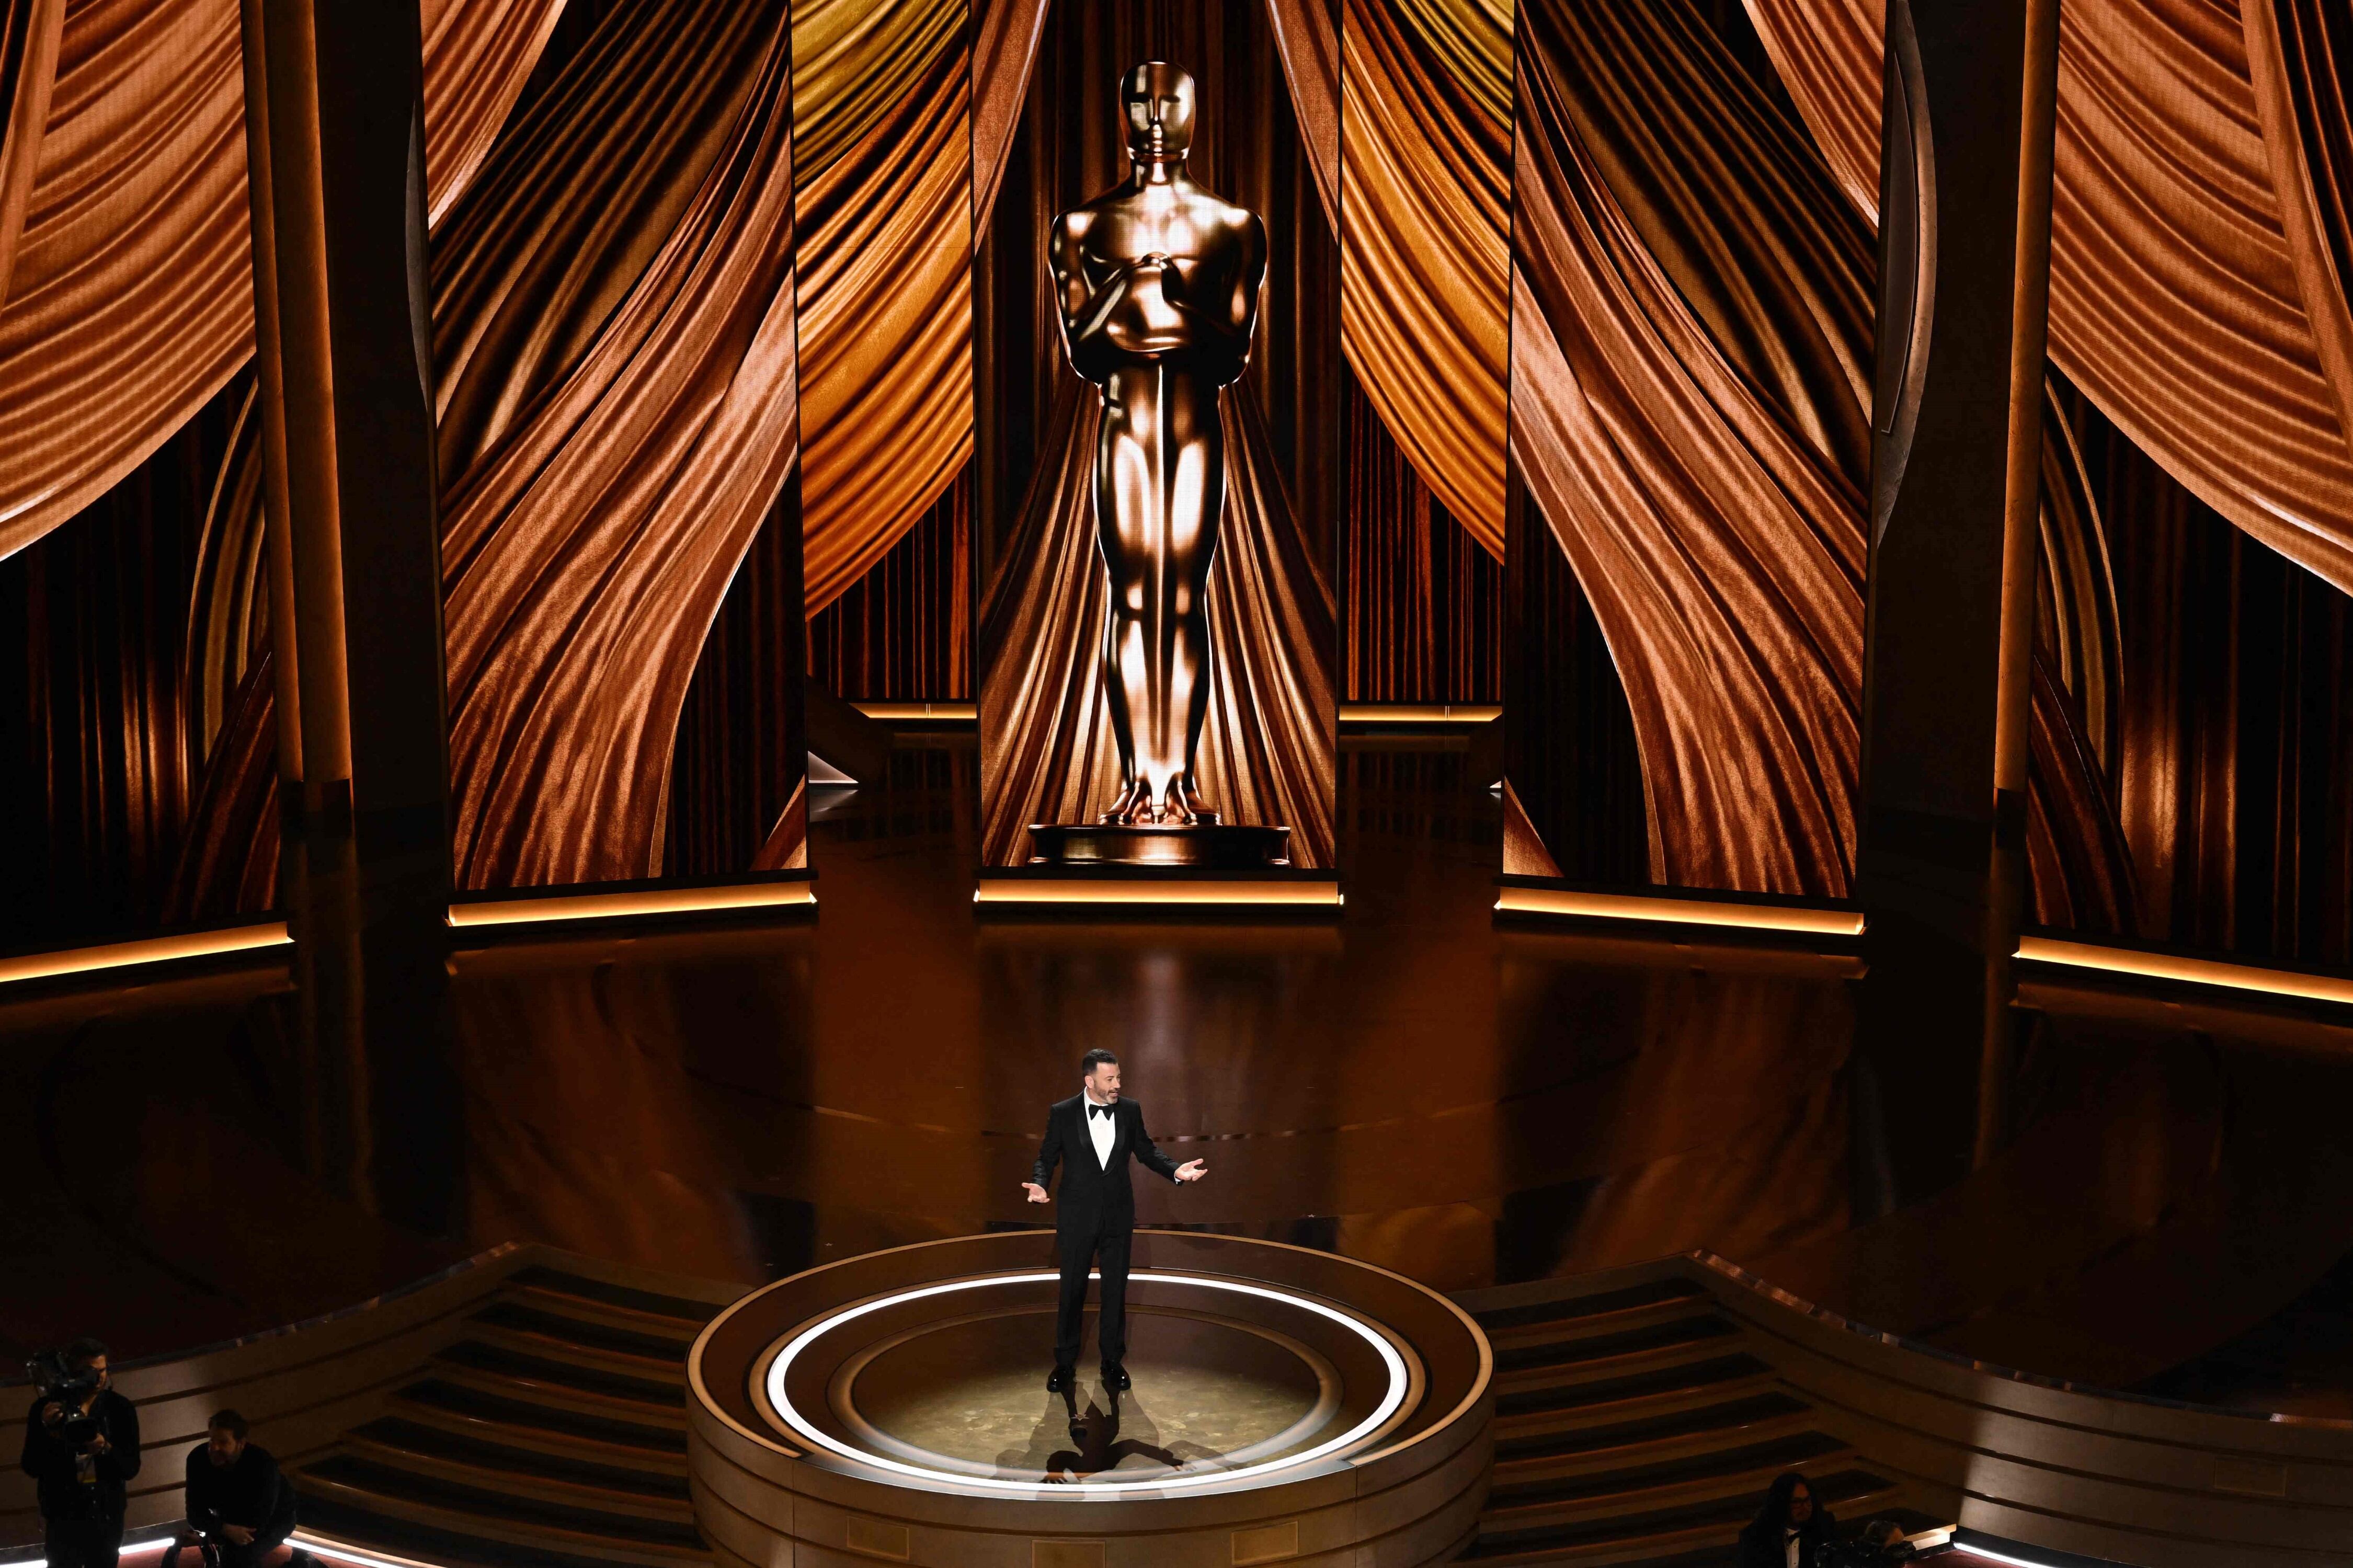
(1791, 1541)
(1099, 1128)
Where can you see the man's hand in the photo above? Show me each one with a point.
(238, 1534)
(1037, 1194)
(1192, 1171)
(99, 1444)
(52, 1414)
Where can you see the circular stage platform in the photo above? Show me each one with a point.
(1288, 1406)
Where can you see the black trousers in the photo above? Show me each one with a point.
(83, 1543)
(1105, 1247)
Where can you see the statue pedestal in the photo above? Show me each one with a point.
(1214, 846)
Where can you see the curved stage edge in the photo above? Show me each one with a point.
(1290, 1405)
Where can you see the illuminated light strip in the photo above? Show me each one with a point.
(2199, 971)
(150, 950)
(1419, 713)
(958, 713)
(1679, 911)
(311, 1543)
(2002, 1557)
(652, 901)
(1106, 891)
(1392, 1399)
(308, 1542)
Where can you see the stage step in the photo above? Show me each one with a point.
(1627, 1537)
(1637, 1428)
(551, 1434)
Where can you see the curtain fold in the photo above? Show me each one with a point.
(2300, 63)
(594, 516)
(1308, 44)
(882, 108)
(2177, 300)
(1721, 548)
(131, 302)
(131, 299)
(1425, 246)
(1005, 37)
(1421, 602)
(1419, 91)
(587, 558)
(558, 229)
(1269, 748)
(741, 758)
(478, 55)
(29, 33)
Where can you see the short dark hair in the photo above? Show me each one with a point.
(1095, 1059)
(81, 1352)
(228, 1421)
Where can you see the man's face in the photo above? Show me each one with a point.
(1159, 103)
(98, 1365)
(1104, 1082)
(222, 1446)
(1801, 1506)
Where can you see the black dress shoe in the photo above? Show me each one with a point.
(1059, 1380)
(1115, 1377)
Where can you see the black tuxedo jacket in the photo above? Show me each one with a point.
(1097, 1196)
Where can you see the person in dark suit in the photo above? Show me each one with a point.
(1788, 1530)
(1092, 1135)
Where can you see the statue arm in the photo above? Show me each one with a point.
(1085, 309)
(1233, 319)
(1247, 279)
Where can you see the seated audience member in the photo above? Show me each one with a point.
(1789, 1530)
(239, 1506)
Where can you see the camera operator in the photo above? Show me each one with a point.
(81, 1445)
(240, 1507)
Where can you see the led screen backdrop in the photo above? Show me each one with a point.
(613, 337)
(1694, 259)
(1559, 398)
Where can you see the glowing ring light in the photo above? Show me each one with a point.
(1391, 1398)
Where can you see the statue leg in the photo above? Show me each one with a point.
(1122, 465)
(1196, 506)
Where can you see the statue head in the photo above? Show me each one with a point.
(1157, 98)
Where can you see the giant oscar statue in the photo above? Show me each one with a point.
(1158, 282)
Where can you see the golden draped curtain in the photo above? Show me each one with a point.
(586, 555)
(29, 33)
(1692, 335)
(1406, 109)
(614, 313)
(135, 246)
(2197, 294)
(1718, 537)
(1425, 221)
(882, 115)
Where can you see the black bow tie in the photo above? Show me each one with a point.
(1094, 1110)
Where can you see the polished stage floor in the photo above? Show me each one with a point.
(1410, 1085)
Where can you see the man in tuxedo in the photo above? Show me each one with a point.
(1097, 1133)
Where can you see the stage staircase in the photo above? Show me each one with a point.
(552, 1434)
(1637, 1426)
